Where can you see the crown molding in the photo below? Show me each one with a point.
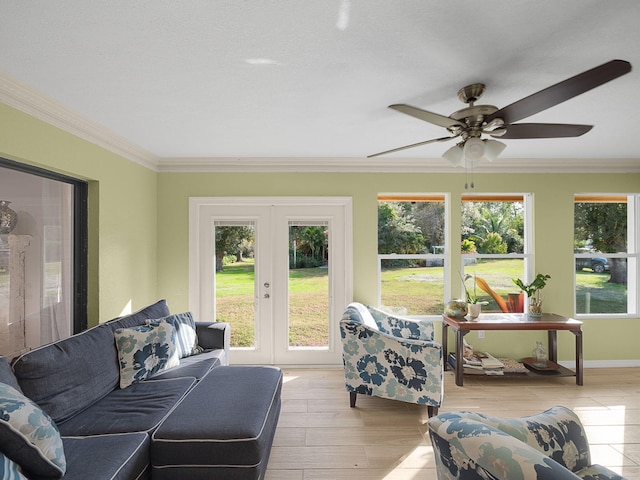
(393, 165)
(37, 105)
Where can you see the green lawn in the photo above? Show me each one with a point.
(595, 295)
(416, 289)
(308, 304)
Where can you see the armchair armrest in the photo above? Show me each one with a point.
(556, 433)
(214, 335)
(464, 444)
(408, 328)
(400, 326)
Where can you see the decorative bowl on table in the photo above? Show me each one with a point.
(456, 308)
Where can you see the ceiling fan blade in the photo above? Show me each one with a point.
(562, 91)
(544, 130)
(430, 117)
(443, 139)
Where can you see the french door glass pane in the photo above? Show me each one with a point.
(235, 280)
(308, 285)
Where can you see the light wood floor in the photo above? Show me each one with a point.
(320, 438)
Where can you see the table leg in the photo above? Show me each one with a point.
(445, 358)
(579, 369)
(553, 345)
(460, 357)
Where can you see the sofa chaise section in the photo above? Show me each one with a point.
(223, 429)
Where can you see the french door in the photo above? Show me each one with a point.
(278, 270)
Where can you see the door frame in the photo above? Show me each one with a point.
(201, 270)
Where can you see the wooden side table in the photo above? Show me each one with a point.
(512, 321)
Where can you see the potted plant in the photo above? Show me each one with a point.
(533, 291)
(474, 305)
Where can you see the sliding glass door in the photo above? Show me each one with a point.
(43, 251)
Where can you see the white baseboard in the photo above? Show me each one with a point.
(603, 364)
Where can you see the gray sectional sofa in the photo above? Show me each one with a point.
(200, 418)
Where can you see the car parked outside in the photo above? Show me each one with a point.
(597, 264)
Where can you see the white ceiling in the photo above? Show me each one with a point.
(208, 81)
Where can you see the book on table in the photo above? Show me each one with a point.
(483, 363)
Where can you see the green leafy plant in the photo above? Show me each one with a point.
(533, 289)
(471, 298)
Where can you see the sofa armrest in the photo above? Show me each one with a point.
(214, 335)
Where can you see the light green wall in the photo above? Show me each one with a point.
(122, 210)
(139, 226)
(553, 211)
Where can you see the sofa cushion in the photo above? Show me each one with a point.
(145, 350)
(230, 436)
(28, 436)
(186, 338)
(139, 408)
(107, 457)
(10, 470)
(66, 377)
(196, 366)
(150, 312)
(6, 374)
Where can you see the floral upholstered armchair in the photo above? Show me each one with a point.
(391, 357)
(549, 445)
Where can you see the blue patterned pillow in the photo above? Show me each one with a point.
(9, 470)
(186, 338)
(145, 350)
(28, 436)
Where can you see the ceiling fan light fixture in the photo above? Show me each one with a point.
(474, 149)
(492, 149)
(454, 155)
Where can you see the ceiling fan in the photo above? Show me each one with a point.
(474, 121)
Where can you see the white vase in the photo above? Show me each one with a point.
(474, 309)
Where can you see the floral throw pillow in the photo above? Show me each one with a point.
(145, 350)
(28, 436)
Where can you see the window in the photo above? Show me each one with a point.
(43, 258)
(411, 253)
(606, 254)
(495, 247)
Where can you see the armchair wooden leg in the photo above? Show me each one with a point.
(352, 399)
(431, 410)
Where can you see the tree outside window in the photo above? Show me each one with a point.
(602, 250)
